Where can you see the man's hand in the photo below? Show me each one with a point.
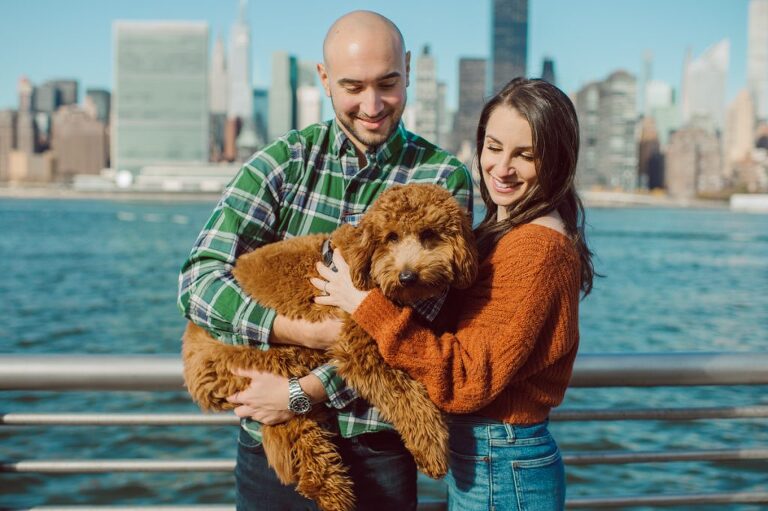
(264, 400)
(298, 332)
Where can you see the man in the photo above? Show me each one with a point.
(306, 182)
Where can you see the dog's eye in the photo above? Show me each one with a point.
(428, 235)
(391, 237)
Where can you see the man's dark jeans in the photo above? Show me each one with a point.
(382, 470)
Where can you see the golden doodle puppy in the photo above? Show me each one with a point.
(413, 243)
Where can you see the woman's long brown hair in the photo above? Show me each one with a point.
(555, 131)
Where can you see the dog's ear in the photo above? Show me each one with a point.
(356, 244)
(465, 258)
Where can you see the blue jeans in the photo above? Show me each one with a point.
(382, 470)
(500, 467)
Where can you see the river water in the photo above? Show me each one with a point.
(100, 277)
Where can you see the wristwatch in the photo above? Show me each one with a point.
(298, 400)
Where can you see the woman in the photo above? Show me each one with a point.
(508, 357)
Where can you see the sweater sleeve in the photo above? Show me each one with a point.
(465, 371)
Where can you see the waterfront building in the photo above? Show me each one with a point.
(218, 100)
(282, 94)
(97, 103)
(218, 79)
(427, 121)
(607, 118)
(693, 161)
(79, 143)
(24, 167)
(548, 71)
(309, 99)
(472, 86)
(7, 141)
(261, 113)
(160, 102)
(650, 166)
(661, 106)
(240, 85)
(757, 56)
(704, 85)
(509, 42)
(740, 159)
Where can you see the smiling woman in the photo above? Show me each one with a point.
(509, 170)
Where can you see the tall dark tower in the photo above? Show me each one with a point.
(548, 71)
(509, 43)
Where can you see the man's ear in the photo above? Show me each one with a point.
(407, 68)
(323, 74)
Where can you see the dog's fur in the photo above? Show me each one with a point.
(414, 227)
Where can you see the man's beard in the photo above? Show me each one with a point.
(370, 141)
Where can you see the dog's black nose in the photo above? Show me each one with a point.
(408, 277)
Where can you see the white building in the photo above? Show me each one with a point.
(160, 98)
(757, 56)
(607, 121)
(240, 84)
(282, 95)
(427, 98)
(704, 85)
(309, 99)
(218, 79)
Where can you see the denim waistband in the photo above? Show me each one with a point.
(484, 427)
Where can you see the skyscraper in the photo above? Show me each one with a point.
(218, 79)
(650, 159)
(693, 161)
(97, 101)
(607, 118)
(704, 85)
(660, 105)
(79, 143)
(509, 41)
(757, 56)
(282, 94)
(309, 100)
(427, 121)
(548, 71)
(7, 141)
(240, 86)
(472, 73)
(160, 101)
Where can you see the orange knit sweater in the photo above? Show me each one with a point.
(510, 354)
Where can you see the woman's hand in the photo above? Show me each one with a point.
(337, 287)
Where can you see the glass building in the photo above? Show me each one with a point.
(160, 97)
(509, 43)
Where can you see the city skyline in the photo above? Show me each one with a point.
(604, 36)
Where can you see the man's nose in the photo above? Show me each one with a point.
(372, 104)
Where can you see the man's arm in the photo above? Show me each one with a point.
(244, 219)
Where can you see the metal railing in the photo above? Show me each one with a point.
(163, 373)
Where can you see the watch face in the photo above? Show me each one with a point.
(300, 404)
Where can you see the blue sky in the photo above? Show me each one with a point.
(588, 39)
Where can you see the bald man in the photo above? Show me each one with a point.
(313, 181)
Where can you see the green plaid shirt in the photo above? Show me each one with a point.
(305, 182)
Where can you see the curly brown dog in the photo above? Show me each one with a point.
(413, 243)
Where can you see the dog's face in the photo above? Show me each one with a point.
(416, 241)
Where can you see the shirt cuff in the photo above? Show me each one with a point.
(339, 394)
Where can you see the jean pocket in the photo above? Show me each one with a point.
(381, 442)
(248, 442)
(540, 482)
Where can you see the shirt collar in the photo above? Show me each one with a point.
(393, 145)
